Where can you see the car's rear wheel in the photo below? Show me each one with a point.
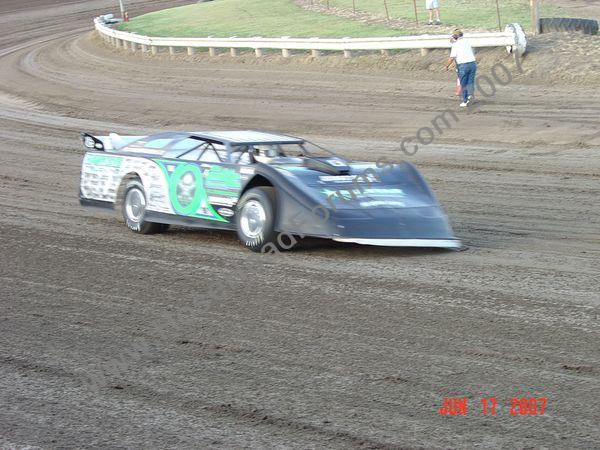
(255, 218)
(134, 210)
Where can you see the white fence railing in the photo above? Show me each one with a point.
(513, 38)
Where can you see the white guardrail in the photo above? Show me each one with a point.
(513, 38)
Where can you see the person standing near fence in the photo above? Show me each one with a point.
(463, 57)
(433, 6)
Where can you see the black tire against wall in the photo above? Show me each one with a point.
(586, 26)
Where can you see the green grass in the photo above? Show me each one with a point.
(274, 18)
(248, 18)
(459, 13)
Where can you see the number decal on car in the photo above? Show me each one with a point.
(187, 193)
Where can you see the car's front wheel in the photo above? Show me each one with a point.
(134, 210)
(255, 218)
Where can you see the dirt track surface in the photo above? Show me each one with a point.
(109, 339)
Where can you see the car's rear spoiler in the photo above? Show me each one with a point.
(110, 143)
(92, 142)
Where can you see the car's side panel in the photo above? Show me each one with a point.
(193, 191)
(102, 173)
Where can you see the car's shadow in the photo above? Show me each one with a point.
(308, 245)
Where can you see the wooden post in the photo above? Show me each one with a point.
(171, 50)
(144, 48)
(425, 51)
(122, 9)
(133, 47)
(154, 49)
(285, 53)
(212, 51)
(385, 52)
(354, 6)
(416, 13)
(498, 12)
(387, 12)
(258, 52)
(233, 52)
(315, 53)
(535, 16)
(347, 54)
(191, 51)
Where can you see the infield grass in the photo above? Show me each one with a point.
(248, 18)
(275, 18)
(469, 14)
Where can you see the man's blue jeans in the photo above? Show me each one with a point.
(466, 75)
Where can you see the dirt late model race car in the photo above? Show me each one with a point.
(264, 186)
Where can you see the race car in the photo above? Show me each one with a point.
(269, 188)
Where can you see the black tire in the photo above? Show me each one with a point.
(133, 209)
(255, 219)
(586, 26)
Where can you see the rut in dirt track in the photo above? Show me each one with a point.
(187, 340)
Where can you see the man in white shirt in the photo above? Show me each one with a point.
(463, 57)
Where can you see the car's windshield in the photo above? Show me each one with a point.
(280, 150)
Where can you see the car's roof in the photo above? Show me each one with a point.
(248, 137)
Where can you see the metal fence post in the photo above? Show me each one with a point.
(416, 13)
(387, 12)
(535, 16)
(498, 11)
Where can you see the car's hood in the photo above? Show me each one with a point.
(364, 186)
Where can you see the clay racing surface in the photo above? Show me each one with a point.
(186, 339)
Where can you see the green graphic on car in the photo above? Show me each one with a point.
(104, 160)
(188, 191)
(225, 179)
